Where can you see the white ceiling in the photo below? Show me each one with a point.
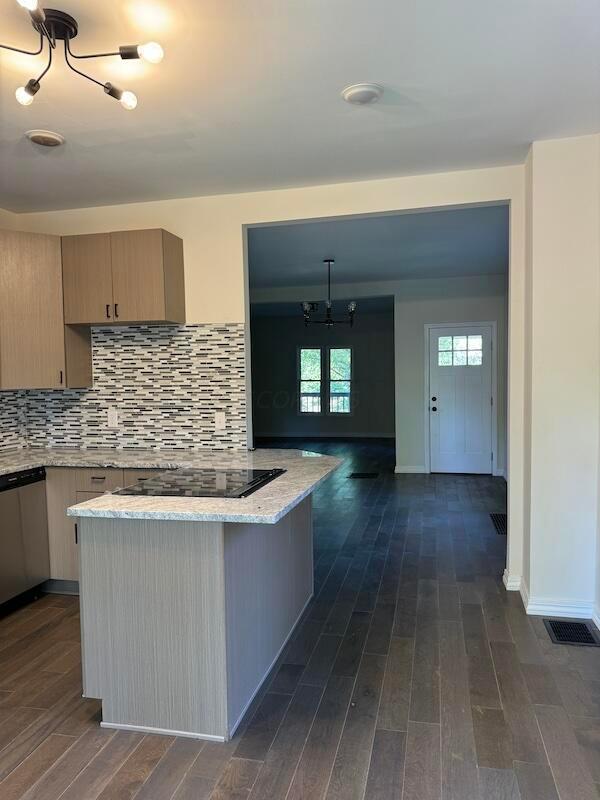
(248, 94)
(435, 244)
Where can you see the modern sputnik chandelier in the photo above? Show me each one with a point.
(309, 308)
(54, 26)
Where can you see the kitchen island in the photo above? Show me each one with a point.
(187, 602)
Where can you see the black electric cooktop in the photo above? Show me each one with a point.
(203, 483)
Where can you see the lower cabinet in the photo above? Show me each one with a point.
(66, 486)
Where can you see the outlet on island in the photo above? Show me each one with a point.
(219, 420)
(113, 418)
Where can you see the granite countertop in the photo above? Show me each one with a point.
(304, 472)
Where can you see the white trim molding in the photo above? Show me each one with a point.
(596, 617)
(512, 582)
(401, 469)
(551, 607)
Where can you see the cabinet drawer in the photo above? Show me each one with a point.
(99, 480)
(131, 476)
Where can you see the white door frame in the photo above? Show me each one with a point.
(429, 326)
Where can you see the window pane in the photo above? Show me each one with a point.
(475, 358)
(339, 404)
(340, 363)
(475, 343)
(310, 404)
(445, 343)
(460, 358)
(339, 387)
(445, 359)
(310, 387)
(310, 364)
(460, 342)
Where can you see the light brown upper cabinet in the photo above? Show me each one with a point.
(36, 350)
(123, 277)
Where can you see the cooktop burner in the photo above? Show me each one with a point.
(203, 483)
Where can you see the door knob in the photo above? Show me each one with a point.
(433, 408)
(434, 399)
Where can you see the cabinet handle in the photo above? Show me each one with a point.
(108, 311)
(98, 477)
(61, 377)
(76, 535)
(116, 311)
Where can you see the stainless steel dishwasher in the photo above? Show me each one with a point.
(24, 559)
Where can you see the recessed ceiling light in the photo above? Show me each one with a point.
(45, 138)
(362, 94)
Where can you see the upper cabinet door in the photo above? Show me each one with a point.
(87, 279)
(147, 274)
(32, 340)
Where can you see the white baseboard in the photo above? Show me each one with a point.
(162, 731)
(512, 582)
(416, 470)
(550, 607)
(596, 617)
(499, 473)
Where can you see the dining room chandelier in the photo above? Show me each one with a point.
(308, 308)
(55, 26)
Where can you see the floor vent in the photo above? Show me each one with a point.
(563, 631)
(499, 521)
(366, 475)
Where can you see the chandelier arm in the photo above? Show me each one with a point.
(83, 75)
(26, 52)
(48, 65)
(89, 55)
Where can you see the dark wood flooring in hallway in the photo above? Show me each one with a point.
(413, 675)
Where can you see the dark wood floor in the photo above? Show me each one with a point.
(414, 675)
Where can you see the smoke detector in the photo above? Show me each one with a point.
(45, 138)
(362, 94)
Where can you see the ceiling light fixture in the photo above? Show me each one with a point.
(54, 26)
(362, 94)
(308, 307)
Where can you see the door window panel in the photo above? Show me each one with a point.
(460, 351)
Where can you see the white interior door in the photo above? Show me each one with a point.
(460, 399)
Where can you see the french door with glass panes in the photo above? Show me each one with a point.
(460, 399)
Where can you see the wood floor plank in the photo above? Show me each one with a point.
(386, 769)
(541, 685)
(351, 765)
(422, 774)
(170, 770)
(535, 781)
(135, 770)
(395, 694)
(483, 686)
(194, 787)
(259, 734)
(237, 779)
(312, 775)
(459, 765)
(34, 766)
(94, 777)
(498, 784)
(322, 660)
(425, 693)
(380, 632)
(286, 678)
(493, 741)
(282, 758)
(580, 697)
(587, 733)
(571, 775)
(526, 740)
(350, 652)
(54, 782)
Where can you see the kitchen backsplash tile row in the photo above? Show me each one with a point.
(166, 382)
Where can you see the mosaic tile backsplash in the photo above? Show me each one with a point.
(166, 383)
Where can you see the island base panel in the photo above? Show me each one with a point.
(181, 622)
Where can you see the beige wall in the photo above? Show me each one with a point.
(563, 263)
(213, 232)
